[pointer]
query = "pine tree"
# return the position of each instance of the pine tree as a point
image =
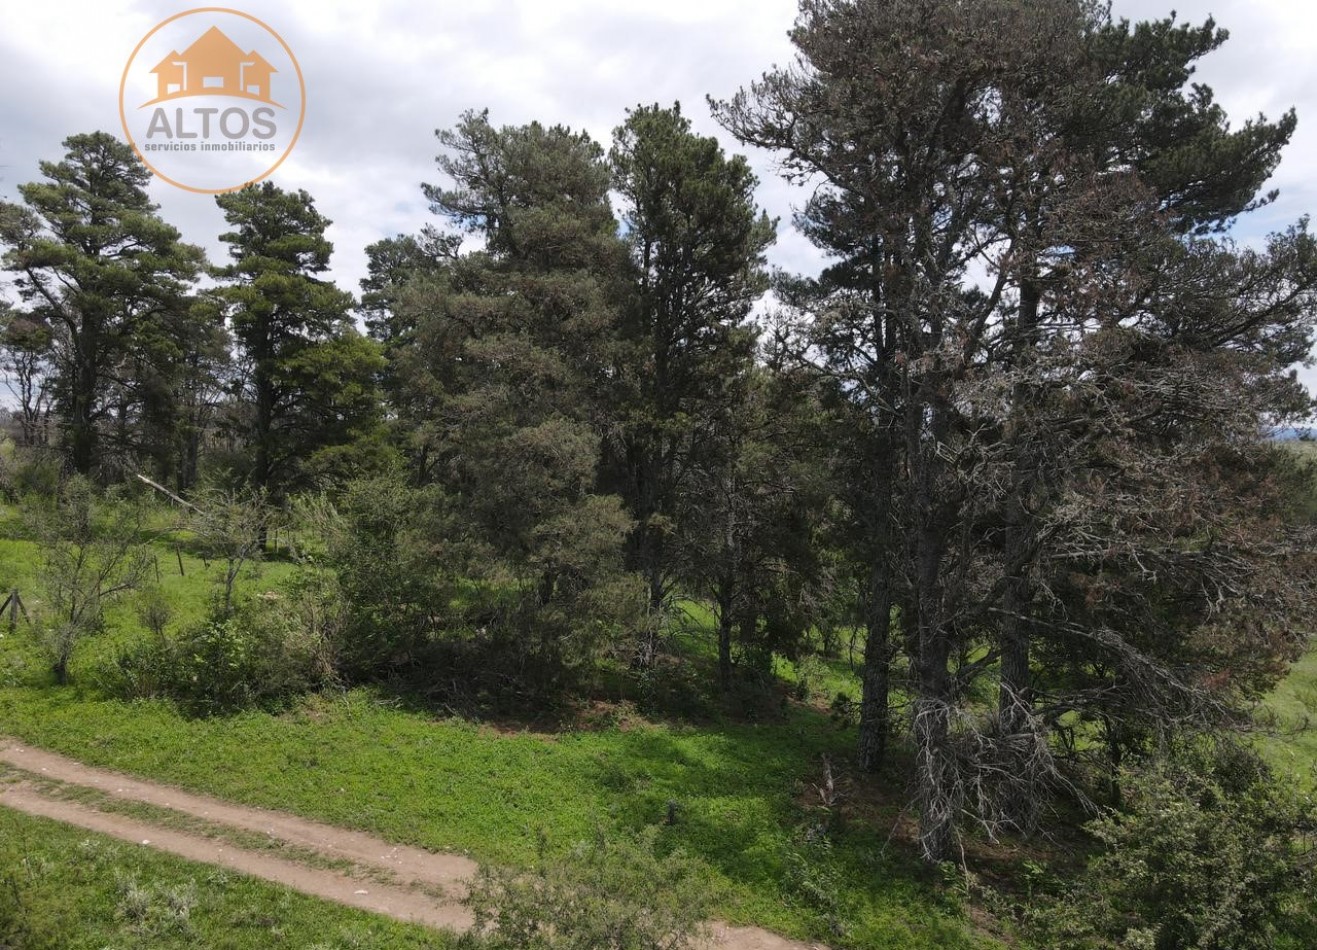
(697, 244)
(999, 423)
(517, 351)
(110, 279)
(309, 376)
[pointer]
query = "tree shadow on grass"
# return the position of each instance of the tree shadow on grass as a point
(742, 799)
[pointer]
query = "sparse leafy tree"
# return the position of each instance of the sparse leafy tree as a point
(92, 554)
(230, 526)
(754, 544)
(25, 352)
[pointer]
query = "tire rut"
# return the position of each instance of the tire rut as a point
(424, 887)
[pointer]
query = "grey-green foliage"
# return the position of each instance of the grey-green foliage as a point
(91, 554)
(230, 526)
(1213, 852)
(988, 430)
(379, 537)
(154, 910)
(618, 893)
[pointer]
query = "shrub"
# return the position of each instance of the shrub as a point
(1212, 853)
(155, 910)
(29, 472)
(811, 878)
(429, 604)
(226, 665)
(609, 894)
(376, 541)
(265, 653)
(144, 669)
(90, 556)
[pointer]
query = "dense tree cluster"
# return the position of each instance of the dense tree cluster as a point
(1012, 435)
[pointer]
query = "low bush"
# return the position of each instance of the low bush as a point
(1211, 853)
(608, 894)
(29, 472)
(268, 651)
(376, 541)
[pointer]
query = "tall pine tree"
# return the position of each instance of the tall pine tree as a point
(999, 421)
(697, 245)
(96, 265)
(308, 379)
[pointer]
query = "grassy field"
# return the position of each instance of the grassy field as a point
(744, 794)
(66, 889)
(1293, 750)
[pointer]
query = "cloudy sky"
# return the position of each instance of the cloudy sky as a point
(382, 76)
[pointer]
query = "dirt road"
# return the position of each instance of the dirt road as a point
(332, 863)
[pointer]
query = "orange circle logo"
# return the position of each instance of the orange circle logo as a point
(212, 100)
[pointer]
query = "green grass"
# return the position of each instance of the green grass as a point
(1294, 703)
(360, 762)
(742, 793)
(188, 594)
(62, 888)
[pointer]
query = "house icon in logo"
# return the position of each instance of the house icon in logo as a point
(214, 66)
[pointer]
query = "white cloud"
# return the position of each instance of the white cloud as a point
(382, 76)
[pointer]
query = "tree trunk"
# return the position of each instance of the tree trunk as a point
(1014, 699)
(544, 593)
(939, 785)
(649, 553)
(938, 775)
(725, 637)
(263, 468)
(940, 790)
(875, 713)
(188, 464)
(82, 420)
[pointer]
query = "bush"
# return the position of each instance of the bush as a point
(618, 894)
(1212, 853)
(155, 910)
(376, 541)
(811, 878)
(145, 669)
(266, 653)
(90, 556)
(29, 472)
(432, 607)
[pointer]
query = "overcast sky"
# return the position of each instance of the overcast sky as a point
(382, 76)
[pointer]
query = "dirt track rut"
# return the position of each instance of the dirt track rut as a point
(398, 881)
